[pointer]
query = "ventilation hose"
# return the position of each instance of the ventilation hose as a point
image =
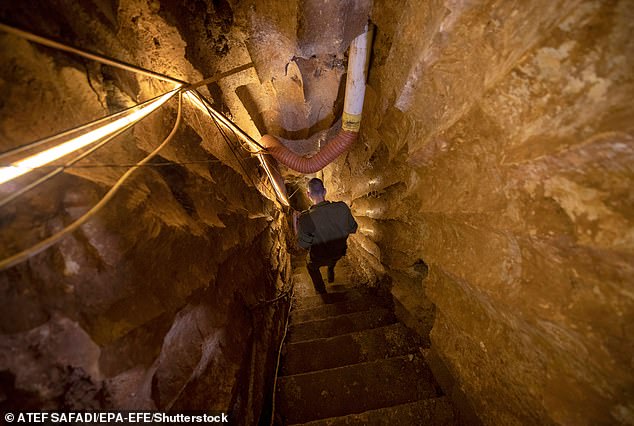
(351, 121)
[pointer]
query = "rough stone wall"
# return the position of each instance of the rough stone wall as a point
(157, 301)
(493, 183)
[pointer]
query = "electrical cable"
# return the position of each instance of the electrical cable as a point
(266, 302)
(226, 139)
(270, 194)
(87, 54)
(218, 76)
(25, 254)
(202, 101)
(294, 192)
(225, 120)
(279, 354)
(44, 244)
(60, 169)
(231, 148)
(278, 193)
(105, 165)
(235, 154)
(68, 132)
(217, 116)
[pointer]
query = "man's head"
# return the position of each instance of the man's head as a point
(316, 190)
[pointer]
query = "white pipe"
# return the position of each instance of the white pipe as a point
(355, 85)
(351, 120)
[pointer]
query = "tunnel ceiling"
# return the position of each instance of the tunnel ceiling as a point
(293, 90)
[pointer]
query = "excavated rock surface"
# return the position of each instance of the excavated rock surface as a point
(492, 183)
(493, 180)
(156, 302)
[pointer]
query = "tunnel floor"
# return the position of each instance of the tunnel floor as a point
(348, 360)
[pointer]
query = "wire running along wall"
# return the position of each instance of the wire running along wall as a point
(127, 119)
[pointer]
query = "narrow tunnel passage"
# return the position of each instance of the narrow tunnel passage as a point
(348, 360)
(491, 181)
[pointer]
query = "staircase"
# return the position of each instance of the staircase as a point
(347, 360)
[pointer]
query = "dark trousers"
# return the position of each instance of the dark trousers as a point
(313, 266)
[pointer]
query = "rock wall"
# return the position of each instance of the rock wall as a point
(493, 184)
(160, 300)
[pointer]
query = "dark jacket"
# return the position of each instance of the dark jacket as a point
(324, 229)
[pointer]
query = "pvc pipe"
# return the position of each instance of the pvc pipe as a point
(351, 120)
(355, 83)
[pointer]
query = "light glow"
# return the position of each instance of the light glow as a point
(368, 231)
(26, 165)
(210, 111)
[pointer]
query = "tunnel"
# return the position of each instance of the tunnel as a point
(155, 269)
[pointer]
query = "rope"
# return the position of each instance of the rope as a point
(43, 245)
(87, 54)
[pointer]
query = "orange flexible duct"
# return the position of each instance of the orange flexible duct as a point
(353, 106)
(337, 146)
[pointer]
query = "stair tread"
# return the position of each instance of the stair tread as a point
(339, 308)
(309, 291)
(354, 388)
(431, 411)
(330, 297)
(340, 324)
(351, 348)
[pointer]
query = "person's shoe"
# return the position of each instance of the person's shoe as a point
(331, 275)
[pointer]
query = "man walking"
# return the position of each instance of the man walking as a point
(323, 230)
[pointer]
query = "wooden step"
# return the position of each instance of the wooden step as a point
(352, 348)
(354, 389)
(428, 412)
(341, 324)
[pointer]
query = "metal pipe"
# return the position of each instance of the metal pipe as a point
(351, 120)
